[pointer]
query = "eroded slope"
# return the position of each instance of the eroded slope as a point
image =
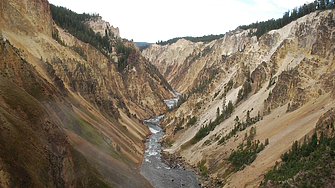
(70, 117)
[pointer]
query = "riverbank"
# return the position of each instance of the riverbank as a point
(155, 170)
(174, 160)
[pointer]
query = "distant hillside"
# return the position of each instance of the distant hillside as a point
(205, 38)
(143, 45)
(139, 44)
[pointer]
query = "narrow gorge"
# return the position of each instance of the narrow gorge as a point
(153, 166)
(80, 106)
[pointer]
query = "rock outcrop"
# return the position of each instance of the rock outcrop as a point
(100, 26)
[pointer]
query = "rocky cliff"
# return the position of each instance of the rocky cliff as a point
(280, 84)
(182, 62)
(101, 26)
(69, 117)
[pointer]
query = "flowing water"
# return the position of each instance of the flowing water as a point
(172, 102)
(155, 170)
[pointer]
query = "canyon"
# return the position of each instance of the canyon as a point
(72, 114)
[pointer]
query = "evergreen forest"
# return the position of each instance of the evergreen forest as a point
(307, 164)
(74, 24)
(205, 38)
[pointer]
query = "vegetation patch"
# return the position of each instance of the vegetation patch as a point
(229, 86)
(307, 164)
(245, 154)
(179, 126)
(125, 54)
(192, 121)
(202, 167)
(244, 91)
(75, 24)
(205, 130)
(55, 35)
(241, 126)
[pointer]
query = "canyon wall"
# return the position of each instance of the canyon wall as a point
(68, 117)
(280, 84)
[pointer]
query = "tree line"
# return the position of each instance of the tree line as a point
(289, 16)
(205, 38)
(75, 24)
(265, 26)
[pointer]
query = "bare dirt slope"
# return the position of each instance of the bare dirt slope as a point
(282, 129)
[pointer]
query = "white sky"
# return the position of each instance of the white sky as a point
(153, 20)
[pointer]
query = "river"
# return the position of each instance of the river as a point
(154, 169)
